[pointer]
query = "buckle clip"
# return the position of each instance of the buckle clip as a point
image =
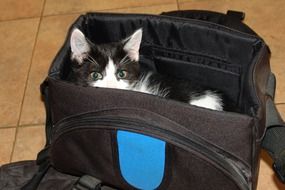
(87, 182)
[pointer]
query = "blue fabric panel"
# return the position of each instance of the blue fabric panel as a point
(141, 159)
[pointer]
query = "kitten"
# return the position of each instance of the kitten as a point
(115, 65)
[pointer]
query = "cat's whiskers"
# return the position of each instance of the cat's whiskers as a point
(92, 60)
(90, 57)
(125, 60)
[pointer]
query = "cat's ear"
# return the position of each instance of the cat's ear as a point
(132, 44)
(79, 45)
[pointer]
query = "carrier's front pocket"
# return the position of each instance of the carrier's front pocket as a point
(133, 148)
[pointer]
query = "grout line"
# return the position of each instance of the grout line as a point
(83, 12)
(32, 125)
(178, 5)
(8, 127)
(144, 6)
(64, 14)
(19, 19)
(26, 84)
(155, 5)
(102, 10)
(24, 125)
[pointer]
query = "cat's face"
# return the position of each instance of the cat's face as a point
(112, 65)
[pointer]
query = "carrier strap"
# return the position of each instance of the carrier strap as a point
(42, 158)
(49, 125)
(44, 166)
(236, 15)
(274, 139)
(88, 182)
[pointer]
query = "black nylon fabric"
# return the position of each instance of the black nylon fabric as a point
(14, 176)
(210, 48)
(229, 131)
(201, 50)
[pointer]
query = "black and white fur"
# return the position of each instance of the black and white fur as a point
(115, 65)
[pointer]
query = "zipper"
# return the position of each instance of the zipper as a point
(234, 168)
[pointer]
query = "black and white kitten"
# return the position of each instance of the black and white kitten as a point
(115, 65)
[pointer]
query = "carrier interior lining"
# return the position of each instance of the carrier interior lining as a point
(189, 49)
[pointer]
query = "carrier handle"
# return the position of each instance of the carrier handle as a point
(232, 19)
(274, 141)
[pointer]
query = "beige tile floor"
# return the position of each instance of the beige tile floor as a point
(32, 31)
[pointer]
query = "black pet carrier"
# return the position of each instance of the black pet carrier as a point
(99, 138)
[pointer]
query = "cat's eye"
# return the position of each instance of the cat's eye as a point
(122, 74)
(96, 76)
